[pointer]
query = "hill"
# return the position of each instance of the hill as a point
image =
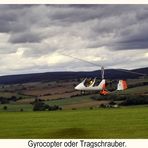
(56, 76)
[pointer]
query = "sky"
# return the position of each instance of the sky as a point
(34, 37)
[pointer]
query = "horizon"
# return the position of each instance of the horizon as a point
(69, 71)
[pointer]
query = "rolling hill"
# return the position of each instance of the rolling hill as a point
(56, 76)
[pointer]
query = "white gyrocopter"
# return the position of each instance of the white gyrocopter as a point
(101, 87)
(90, 85)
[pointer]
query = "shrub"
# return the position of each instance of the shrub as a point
(5, 107)
(40, 106)
(73, 108)
(4, 100)
(91, 108)
(13, 98)
(55, 107)
(21, 109)
(135, 100)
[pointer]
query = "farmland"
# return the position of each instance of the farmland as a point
(62, 93)
(81, 115)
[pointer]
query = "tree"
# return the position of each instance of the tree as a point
(40, 106)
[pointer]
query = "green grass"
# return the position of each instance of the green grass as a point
(135, 90)
(9, 94)
(62, 103)
(16, 107)
(99, 123)
(135, 81)
(69, 101)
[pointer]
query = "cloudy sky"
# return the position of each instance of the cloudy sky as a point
(32, 37)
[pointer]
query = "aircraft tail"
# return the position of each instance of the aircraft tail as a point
(102, 84)
(122, 85)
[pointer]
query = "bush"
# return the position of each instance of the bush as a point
(13, 98)
(73, 108)
(4, 100)
(55, 107)
(114, 97)
(135, 100)
(91, 108)
(40, 106)
(5, 107)
(21, 110)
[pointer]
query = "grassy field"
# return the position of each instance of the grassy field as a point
(98, 123)
(136, 90)
(15, 107)
(66, 103)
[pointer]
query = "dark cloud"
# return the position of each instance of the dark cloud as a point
(25, 37)
(37, 32)
(93, 23)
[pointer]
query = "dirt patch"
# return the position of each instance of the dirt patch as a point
(85, 104)
(70, 133)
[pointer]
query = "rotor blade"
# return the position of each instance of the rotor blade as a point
(124, 70)
(81, 60)
(129, 71)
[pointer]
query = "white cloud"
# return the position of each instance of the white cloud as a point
(146, 54)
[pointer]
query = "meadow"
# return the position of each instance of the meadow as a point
(124, 122)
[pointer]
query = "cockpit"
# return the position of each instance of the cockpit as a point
(89, 82)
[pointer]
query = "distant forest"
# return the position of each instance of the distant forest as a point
(56, 76)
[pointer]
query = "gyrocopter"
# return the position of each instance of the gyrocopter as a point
(101, 87)
(90, 84)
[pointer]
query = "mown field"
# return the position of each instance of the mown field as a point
(128, 122)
